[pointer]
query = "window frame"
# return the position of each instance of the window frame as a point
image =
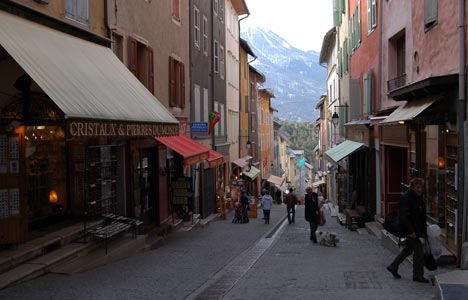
(196, 27)
(73, 14)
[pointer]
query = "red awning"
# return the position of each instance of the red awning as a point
(215, 158)
(192, 151)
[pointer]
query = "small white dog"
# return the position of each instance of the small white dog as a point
(326, 238)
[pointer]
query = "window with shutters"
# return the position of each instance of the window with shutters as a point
(431, 13)
(176, 10)
(345, 56)
(221, 62)
(140, 62)
(368, 92)
(215, 6)
(77, 10)
(221, 10)
(205, 35)
(371, 15)
(216, 56)
(176, 83)
(196, 27)
(197, 103)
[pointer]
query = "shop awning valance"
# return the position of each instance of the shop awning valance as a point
(215, 158)
(253, 173)
(275, 179)
(85, 80)
(341, 151)
(409, 110)
(192, 151)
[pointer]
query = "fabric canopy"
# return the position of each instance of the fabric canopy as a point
(190, 150)
(275, 179)
(409, 110)
(253, 173)
(341, 151)
(318, 183)
(240, 162)
(85, 80)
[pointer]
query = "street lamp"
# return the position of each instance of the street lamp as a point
(335, 119)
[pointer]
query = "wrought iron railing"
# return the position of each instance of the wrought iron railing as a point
(396, 82)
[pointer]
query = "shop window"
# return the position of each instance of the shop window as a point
(177, 83)
(45, 171)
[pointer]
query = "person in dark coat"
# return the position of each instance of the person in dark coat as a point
(412, 214)
(312, 212)
(245, 205)
(291, 201)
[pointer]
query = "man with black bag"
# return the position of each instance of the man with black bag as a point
(412, 214)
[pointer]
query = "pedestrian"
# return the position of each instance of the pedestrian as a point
(412, 214)
(291, 201)
(266, 201)
(312, 212)
(245, 207)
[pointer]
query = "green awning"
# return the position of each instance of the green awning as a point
(341, 151)
(253, 173)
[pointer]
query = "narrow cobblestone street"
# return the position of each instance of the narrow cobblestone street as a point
(241, 261)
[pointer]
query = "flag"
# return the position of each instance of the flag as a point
(214, 118)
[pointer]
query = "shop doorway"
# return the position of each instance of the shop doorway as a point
(396, 166)
(144, 184)
(209, 196)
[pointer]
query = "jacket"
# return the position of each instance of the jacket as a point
(266, 201)
(290, 200)
(412, 213)
(312, 209)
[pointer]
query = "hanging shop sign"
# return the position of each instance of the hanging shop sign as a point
(87, 129)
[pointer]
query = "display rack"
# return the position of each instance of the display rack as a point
(451, 189)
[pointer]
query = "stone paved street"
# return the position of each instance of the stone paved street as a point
(242, 261)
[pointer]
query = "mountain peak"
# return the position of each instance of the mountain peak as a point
(294, 75)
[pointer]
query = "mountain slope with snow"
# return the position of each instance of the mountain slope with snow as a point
(295, 76)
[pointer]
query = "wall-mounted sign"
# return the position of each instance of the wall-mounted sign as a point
(199, 127)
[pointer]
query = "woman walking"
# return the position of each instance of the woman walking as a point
(266, 201)
(312, 212)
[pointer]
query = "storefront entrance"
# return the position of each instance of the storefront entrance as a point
(396, 166)
(144, 184)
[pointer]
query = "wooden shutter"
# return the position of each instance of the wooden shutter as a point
(176, 9)
(132, 56)
(172, 83)
(182, 85)
(150, 70)
(336, 13)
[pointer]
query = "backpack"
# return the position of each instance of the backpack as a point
(392, 224)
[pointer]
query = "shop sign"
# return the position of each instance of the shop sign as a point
(88, 129)
(199, 127)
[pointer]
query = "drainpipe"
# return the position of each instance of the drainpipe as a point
(378, 166)
(213, 140)
(462, 132)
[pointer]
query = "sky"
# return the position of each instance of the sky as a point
(303, 23)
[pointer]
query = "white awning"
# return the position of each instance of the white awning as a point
(318, 183)
(341, 151)
(240, 162)
(409, 110)
(275, 179)
(85, 80)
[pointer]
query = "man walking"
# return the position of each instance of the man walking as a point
(412, 214)
(290, 201)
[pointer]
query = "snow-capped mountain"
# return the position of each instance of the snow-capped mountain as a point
(295, 76)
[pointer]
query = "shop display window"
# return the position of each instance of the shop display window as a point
(45, 164)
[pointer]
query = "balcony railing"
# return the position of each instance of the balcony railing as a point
(396, 82)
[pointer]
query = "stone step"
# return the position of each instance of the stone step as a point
(41, 265)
